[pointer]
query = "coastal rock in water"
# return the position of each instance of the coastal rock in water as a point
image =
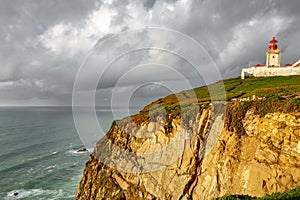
(82, 150)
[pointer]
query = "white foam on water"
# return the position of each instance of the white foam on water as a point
(19, 194)
(78, 151)
(51, 166)
(22, 193)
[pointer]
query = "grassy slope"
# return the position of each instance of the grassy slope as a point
(223, 90)
(293, 194)
(262, 87)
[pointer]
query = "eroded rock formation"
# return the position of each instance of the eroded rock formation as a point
(203, 156)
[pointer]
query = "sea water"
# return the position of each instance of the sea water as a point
(39, 156)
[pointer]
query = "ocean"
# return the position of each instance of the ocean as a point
(39, 156)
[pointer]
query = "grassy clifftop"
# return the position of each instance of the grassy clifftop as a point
(225, 90)
(234, 88)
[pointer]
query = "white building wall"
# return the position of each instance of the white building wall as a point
(267, 71)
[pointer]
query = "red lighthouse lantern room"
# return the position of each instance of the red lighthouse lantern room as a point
(273, 44)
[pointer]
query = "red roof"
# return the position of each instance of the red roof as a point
(298, 65)
(273, 40)
(258, 65)
(288, 65)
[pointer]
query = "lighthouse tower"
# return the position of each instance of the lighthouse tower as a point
(273, 54)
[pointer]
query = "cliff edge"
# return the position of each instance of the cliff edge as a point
(247, 146)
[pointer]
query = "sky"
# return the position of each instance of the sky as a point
(132, 52)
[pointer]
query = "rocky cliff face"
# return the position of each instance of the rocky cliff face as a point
(208, 151)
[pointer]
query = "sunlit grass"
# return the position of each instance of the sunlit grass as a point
(293, 194)
(222, 91)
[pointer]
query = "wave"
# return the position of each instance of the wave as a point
(41, 159)
(19, 194)
(51, 167)
(30, 162)
(42, 194)
(23, 150)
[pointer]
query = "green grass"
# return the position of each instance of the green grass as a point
(261, 87)
(293, 194)
(224, 91)
(264, 87)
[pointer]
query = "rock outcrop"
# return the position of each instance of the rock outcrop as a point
(200, 155)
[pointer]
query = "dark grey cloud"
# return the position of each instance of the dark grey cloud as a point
(44, 42)
(148, 3)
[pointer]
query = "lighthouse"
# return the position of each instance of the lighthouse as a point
(273, 54)
(273, 67)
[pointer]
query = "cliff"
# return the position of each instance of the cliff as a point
(199, 151)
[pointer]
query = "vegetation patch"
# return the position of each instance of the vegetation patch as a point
(104, 179)
(235, 114)
(293, 194)
(275, 103)
(272, 88)
(120, 195)
(237, 111)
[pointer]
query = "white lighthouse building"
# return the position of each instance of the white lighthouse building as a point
(273, 54)
(273, 66)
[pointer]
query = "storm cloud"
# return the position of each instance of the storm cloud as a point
(45, 43)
